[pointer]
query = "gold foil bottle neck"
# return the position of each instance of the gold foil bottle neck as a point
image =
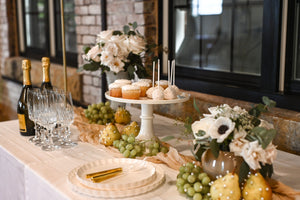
(46, 69)
(26, 66)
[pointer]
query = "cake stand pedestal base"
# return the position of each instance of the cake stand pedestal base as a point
(147, 131)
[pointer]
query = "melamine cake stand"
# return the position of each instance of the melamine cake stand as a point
(146, 130)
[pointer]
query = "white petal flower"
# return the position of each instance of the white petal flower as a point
(253, 153)
(237, 146)
(93, 54)
(221, 128)
(112, 48)
(106, 58)
(104, 36)
(116, 65)
(271, 153)
(239, 133)
(135, 44)
(204, 124)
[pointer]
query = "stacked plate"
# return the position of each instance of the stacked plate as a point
(137, 177)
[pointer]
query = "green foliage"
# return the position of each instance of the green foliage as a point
(260, 108)
(214, 147)
(266, 170)
(263, 135)
(244, 170)
(196, 107)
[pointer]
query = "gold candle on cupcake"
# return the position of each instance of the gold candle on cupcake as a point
(131, 92)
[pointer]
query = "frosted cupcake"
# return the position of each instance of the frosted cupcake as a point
(115, 90)
(123, 81)
(145, 80)
(144, 86)
(131, 92)
(162, 83)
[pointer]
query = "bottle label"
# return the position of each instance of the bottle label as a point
(22, 123)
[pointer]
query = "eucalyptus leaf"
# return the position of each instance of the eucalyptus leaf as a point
(167, 138)
(198, 152)
(86, 49)
(244, 170)
(196, 107)
(117, 33)
(266, 170)
(91, 66)
(134, 25)
(200, 133)
(270, 103)
(126, 29)
(214, 148)
(264, 136)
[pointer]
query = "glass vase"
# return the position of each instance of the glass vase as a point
(226, 161)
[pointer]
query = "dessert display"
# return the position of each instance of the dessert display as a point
(123, 81)
(131, 92)
(158, 93)
(163, 83)
(170, 93)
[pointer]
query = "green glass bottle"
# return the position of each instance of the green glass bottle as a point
(46, 84)
(26, 126)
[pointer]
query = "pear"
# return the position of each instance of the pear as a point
(132, 128)
(109, 135)
(226, 187)
(122, 116)
(256, 187)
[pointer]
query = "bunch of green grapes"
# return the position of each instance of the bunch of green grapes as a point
(154, 147)
(100, 113)
(129, 147)
(193, 182)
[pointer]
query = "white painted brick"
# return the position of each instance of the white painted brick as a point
(88, 20)
(87, 80)
(95, 9)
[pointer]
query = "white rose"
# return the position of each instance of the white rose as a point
(271, 153)
(106, 58)
(93, 54)
(104, 36)
(116, 65)
(204, 124)
(221, 128)
(112, 48)
(135, 44)
(237, 146)
(239, 133)
(253, 153)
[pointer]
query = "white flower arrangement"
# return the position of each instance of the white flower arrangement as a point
(117, 51)
(238, 131)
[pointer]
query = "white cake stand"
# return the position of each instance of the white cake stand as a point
(147, 131)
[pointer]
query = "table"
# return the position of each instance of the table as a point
(26, 172)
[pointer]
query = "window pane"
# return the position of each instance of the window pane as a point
(70, 34)
(35, 16)
(227, 39)
(296, 70)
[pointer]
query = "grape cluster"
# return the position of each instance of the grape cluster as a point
(193, 182)
(100, 113)
(131, 148)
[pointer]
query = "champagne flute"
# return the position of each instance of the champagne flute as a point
(32, 104)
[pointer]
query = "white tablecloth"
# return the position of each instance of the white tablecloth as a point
(26, 172)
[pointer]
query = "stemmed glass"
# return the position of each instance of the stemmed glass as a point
(33, 113)
(67, 113)
(48, 117)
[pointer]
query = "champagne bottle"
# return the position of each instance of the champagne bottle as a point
(26, 126)
(46, 84)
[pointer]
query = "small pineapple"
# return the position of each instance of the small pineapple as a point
(133, 127)
(109, 135)
(122, 116)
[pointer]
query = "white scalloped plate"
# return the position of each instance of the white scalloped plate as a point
(92, 192)
(135, 173)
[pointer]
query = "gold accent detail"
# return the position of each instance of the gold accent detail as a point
(26, 66)
(103, 177)
(22, 123)
(105, 172)
(46, 69)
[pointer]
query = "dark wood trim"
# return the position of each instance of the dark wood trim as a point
(104, 27)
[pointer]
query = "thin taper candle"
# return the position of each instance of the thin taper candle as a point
(158, 68)
(153, 74)
(168, 71)
(63, 43)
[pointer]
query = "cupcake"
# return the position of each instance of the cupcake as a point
(115, 90)
(162, 83)
(145, 80)
(158, 93)
(131, 92)
(144, 86)
(150, 91)
(123, 81)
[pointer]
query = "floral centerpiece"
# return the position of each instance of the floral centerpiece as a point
(118, 51)
(239, 131)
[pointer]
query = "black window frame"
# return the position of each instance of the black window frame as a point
(240, 86)
(37, 53)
